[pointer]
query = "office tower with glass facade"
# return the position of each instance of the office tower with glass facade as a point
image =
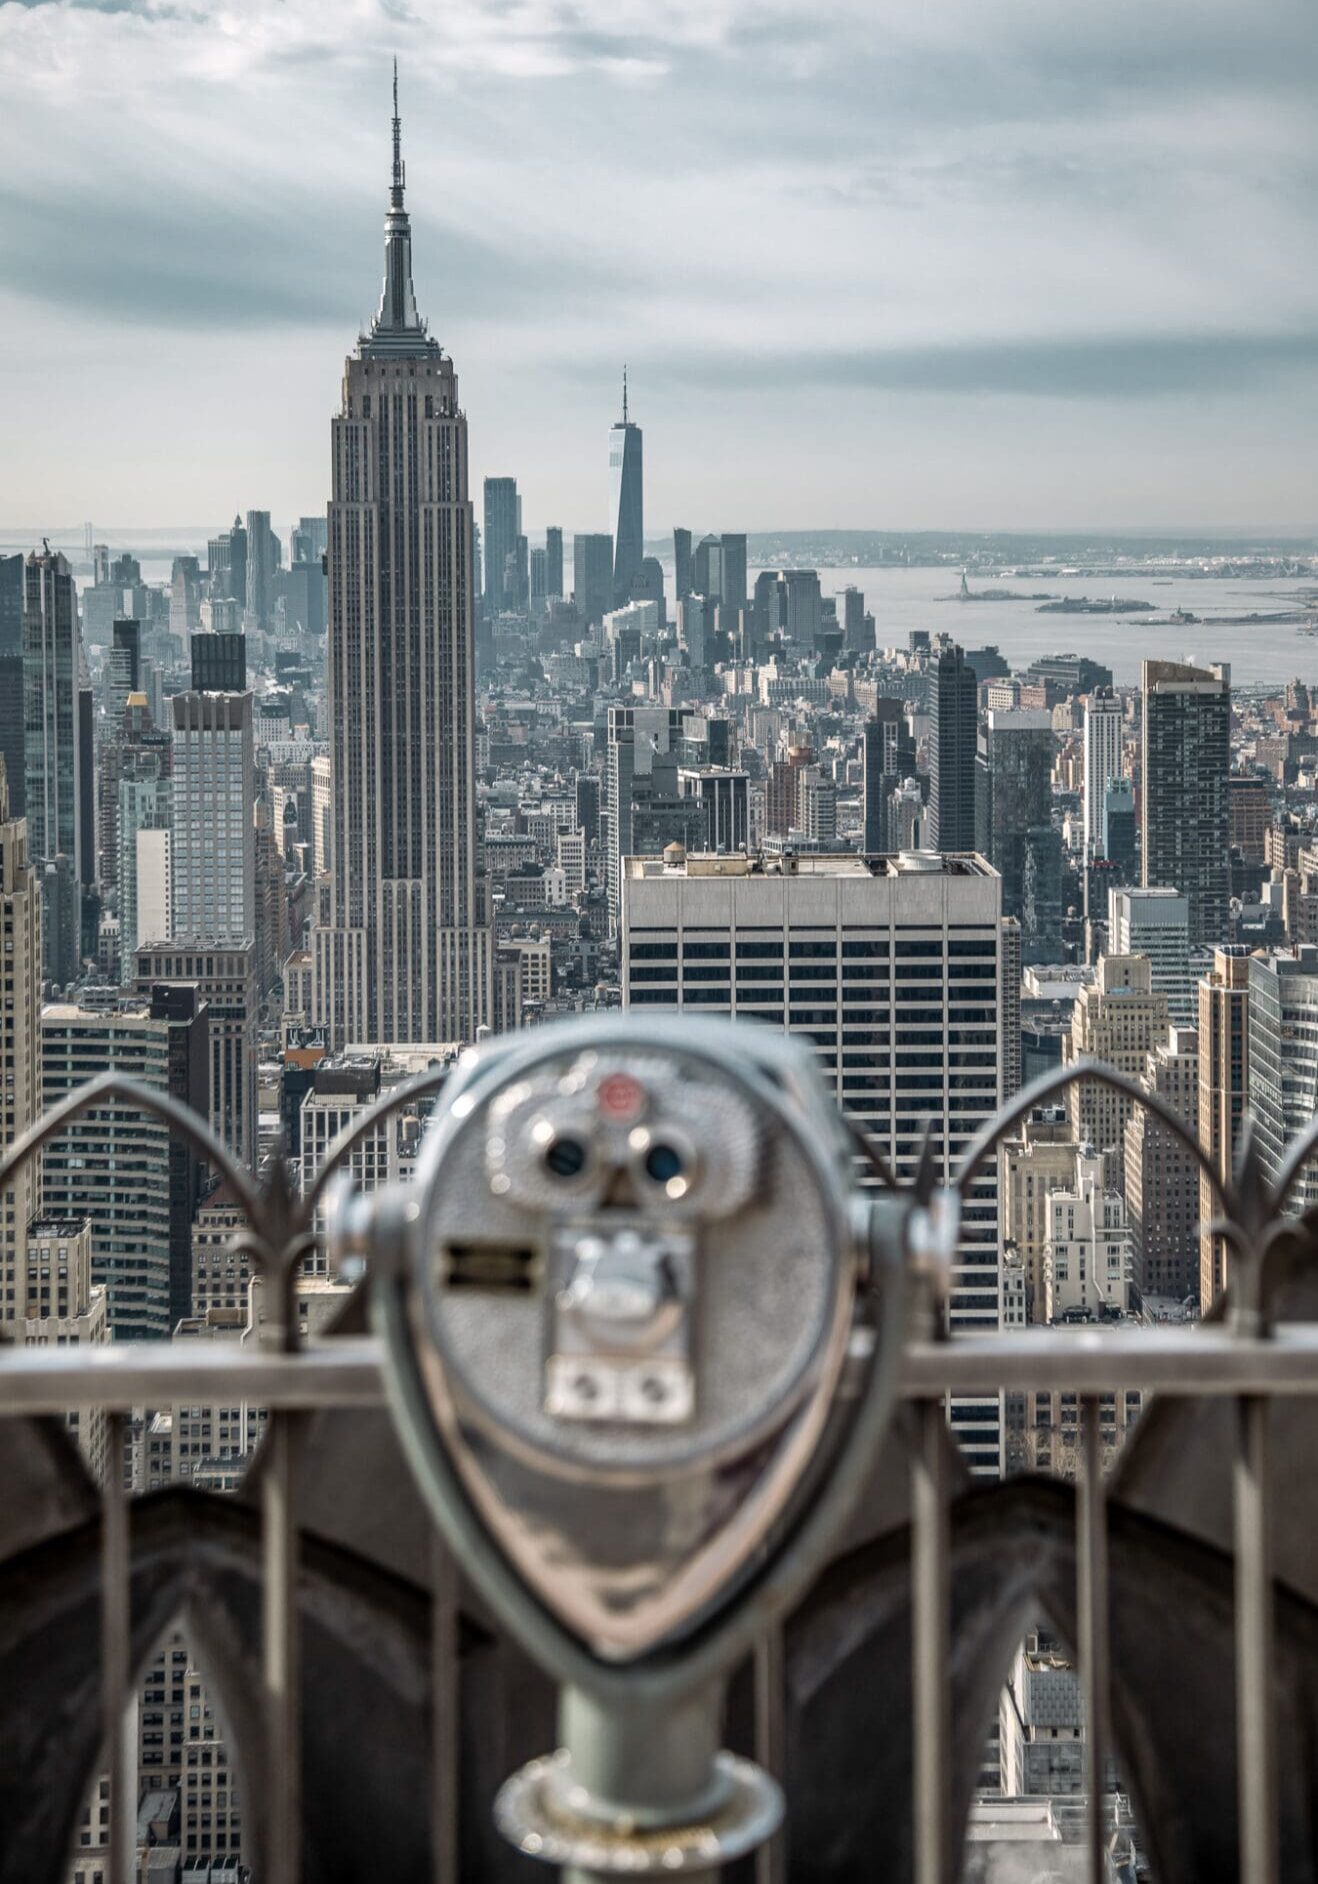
(683, 570)
(309, 540)
(725, 796)
(734, 593)
(52, 750)
(888, 757)
(626, 501)
(592, 576)
(1120, 830)
(952, 703)
(262, 562)
(1184, 806)
(13, 592)
(226, 564)
(1014, 827)
(1282, 1078)
(20, 1045)
(554, 562)
(219, 662)
(503, 525)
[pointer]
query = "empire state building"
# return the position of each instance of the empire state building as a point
(402, 948)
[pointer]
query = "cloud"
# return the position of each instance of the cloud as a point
(195, 259)
(1011, 198)
(1144, 367)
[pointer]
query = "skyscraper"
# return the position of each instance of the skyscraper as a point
(405, 954)
(113, 1165)
(707, 568)
(1014, 829)
(1120, 1020)
(888, 758)
(1120, 829)
(1282, 1058)
(636, 737)
(308, 541)
(853, 622)
(1223, 1088)
(1102, 756)
(225, 979)
(213, 845)
(185, 597)
(725, 794)
(538, 571)
(20, 1046)
(226, 562)
(952, 700)
(141, 825)
(219, 662)
(1184, 809)
(592, 576)
(734, 570)
(1162, 1174)
(863, 959)
(554, 561)
(1156, 923)
(682, 564)
(12, 593)
(53, 753)
(626, 502)
(262, 562)
(499, 543)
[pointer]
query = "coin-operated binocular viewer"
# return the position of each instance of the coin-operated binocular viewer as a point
(643, 1332)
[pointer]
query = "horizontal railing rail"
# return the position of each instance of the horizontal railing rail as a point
(349, 1371)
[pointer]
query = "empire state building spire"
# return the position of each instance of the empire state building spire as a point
(398, 326)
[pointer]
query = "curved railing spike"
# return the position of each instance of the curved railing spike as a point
(352, 1134)
(172, 1112)
(994, 1130)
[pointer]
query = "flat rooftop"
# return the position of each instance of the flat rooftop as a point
(676, 862)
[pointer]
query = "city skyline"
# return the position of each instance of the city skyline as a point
(970, 244)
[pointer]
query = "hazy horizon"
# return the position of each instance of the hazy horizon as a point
(156, 538)
(983, 260)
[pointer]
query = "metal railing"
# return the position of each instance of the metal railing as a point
(1244, 1354)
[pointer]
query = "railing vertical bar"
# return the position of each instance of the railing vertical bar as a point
(1093, 1611)
(769, 1678)
(445, 1720)
(931, 1615)
(116, 1658)
(1255, 1726)
(280, 1650)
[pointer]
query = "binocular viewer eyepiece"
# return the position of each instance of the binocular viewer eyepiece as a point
(642, 1328)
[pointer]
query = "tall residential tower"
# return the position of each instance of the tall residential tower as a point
(403, 950)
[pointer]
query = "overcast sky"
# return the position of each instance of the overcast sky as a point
(888, 263)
